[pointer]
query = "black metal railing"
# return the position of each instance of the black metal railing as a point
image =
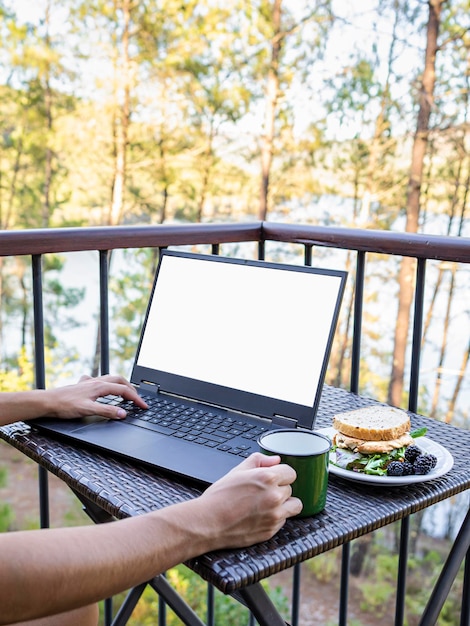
(36, 243)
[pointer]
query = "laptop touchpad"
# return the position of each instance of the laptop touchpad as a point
(115, 435)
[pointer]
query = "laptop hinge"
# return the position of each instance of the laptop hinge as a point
(288, 422)
(148, 386)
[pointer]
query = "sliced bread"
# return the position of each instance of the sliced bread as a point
(373, 423)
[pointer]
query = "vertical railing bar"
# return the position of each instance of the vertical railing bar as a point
(43, 478)
(108, 611)
(161, 612)
(210, 605)
(39, 361)
(458, 552)
(127, 607)
(308, 247)
(40, 376)
(295, 613)
(357, 326)
(261, 257)
(354, 385)
(402, 569)
(104, 367)
(104, 312)
(417, 333)
(344, 584)
(162, 609)
(215, 248)
(465, 610)
(412, 406)
(161, 602)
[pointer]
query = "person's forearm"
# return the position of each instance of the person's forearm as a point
(93, 562)
(51, 571)
(23, 405)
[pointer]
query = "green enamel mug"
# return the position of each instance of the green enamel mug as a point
(308, 453)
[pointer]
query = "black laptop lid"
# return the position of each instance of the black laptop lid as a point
(247, 335)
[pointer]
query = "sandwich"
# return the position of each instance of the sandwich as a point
(373, 430)
(378, 440)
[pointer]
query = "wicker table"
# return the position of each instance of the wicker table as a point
(122, 489)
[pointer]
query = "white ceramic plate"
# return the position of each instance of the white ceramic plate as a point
(445, 462)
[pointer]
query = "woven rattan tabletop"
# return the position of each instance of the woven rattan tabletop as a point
(352, 509)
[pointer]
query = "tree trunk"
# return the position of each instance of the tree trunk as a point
(6, 218)
(405, 278)
(338, 359)
(164, 178)
(272, 94)
(440, 275)
(381, 121)
(415, 534)
(121, 122)
(208, 161)
(458, 385)
(466, 354)
(2, 343)
(444, 337)
(202, 196)
(359, 553)
(46, 203)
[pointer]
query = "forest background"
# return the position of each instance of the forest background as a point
(124, 112)
(323, 112)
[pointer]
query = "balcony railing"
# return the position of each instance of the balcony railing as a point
(359, 243)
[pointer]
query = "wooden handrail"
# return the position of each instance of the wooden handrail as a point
(42, 241)
(444, 248)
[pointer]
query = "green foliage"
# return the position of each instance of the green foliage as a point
(6, 512)
(3, 476)
(74, 515)
(19, 375)
(6, 517)
(59, 302)
(374, 589)
(326, 567)
(378, 585)
(376, 596)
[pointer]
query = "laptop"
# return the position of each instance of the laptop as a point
(229, 348)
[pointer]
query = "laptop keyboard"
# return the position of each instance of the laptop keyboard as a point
(200, 426)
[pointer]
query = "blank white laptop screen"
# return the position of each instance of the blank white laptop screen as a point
(246, 327)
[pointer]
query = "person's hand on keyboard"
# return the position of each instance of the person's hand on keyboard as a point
(78, 400)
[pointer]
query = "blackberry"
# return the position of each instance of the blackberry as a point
(395, 468)
(412, 453)
(408, 468)
(424, 463)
